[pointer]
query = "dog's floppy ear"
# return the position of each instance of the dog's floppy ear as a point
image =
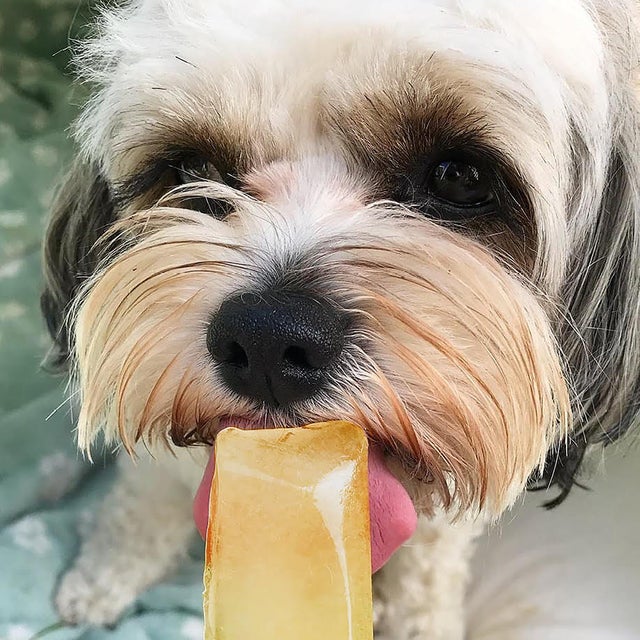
(601, 336)
(82, 211)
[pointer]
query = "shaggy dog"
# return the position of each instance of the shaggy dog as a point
(420, 215)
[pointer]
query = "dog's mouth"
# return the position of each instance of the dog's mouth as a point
(243, 422)
(393, 517)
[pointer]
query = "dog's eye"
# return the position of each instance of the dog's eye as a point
(196, 168)
(460, 184)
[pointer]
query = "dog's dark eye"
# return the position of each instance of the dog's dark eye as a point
(200, 169)
(460, 184)
(197, 169)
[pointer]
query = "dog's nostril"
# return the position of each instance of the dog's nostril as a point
(297, 356)
(237, 356)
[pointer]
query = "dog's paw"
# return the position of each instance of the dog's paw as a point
(94, 599)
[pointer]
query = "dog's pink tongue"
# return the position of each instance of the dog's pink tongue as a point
(393, 517)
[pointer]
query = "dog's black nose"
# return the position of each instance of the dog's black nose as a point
(276, 348)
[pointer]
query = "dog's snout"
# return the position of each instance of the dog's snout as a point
(276, 348)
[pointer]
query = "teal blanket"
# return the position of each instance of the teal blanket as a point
(48, 494)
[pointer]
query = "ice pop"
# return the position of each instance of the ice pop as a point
(288, 549)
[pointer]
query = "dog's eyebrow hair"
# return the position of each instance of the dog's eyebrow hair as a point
(150, 174)
(142, 181)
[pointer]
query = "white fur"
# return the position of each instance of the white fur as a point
(143, 529)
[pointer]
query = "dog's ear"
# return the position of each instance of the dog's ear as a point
(600, 336)
(82, 211)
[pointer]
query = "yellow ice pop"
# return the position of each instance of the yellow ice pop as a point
(288, 550)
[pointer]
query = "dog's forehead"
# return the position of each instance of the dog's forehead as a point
(270, 60)
(558, 32)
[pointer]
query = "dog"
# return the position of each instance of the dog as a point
(421, 215)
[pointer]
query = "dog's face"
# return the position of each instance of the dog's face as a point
(419, 215)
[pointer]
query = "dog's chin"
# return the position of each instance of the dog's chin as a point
(393, 517)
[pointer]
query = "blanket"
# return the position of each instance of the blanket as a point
(48, 494)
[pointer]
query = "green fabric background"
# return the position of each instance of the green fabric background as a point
(47, 493)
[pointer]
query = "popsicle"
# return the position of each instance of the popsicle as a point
(288, 542)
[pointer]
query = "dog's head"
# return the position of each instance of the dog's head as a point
(421, 215)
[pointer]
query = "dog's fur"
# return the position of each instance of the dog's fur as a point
(484, 353)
